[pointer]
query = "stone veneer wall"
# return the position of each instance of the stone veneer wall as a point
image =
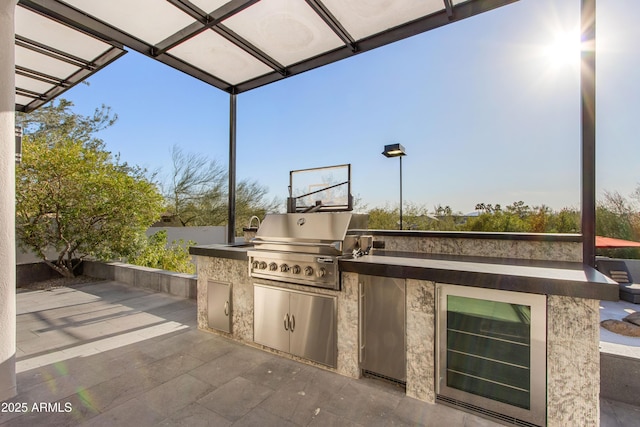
(420, 335)
(236, 273)
(573, 362)
(489, 247)
(348, 320)
(573, 357)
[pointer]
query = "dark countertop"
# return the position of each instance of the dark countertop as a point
(537, 277)
(483, 235)
(235, 251)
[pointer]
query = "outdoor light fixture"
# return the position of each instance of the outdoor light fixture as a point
(18, 144)
(396, 150)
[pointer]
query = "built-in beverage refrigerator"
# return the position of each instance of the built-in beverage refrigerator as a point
(491, 352)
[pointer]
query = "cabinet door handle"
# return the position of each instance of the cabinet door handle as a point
(286, 322)
(292, 325)
(226, 308)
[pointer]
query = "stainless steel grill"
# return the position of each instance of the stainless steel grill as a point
(304, 248)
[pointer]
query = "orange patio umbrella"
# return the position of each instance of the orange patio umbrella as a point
(610, 242)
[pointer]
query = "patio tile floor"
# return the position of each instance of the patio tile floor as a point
(105, 354)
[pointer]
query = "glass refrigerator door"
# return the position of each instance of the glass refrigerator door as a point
(492, 350)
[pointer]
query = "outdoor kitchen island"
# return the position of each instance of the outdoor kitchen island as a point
(456, 302)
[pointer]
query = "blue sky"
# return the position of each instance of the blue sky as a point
(485, 113)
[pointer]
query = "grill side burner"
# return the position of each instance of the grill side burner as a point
(304, 248)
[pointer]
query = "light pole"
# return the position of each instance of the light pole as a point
(396, 150)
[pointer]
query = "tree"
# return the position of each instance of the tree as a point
(565, 221)
(195, 187)
(74, 198)
(538, 219)
(618, 217)
(385, 218)
(56, 122)
(251, 200)
(197, 193)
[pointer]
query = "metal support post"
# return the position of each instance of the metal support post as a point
(588, 120)
(231, 223)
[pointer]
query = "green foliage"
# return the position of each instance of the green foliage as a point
(384, 218)
(565, 221)
(618, 217)
(156, 253)
(56, 121)
(251, 200)
(516, 217)
(195, 188)
(196, 193)
(74, 198)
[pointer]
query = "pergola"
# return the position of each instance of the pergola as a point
(234, 45)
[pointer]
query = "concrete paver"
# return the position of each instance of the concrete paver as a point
(105, 354)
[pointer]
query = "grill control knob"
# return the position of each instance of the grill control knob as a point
(321, 272)
(273, 266)
(263, 265)
(284, 268)
(295, 269)
(308, 271)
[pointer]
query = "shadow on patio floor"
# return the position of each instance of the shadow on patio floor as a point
(106, 354)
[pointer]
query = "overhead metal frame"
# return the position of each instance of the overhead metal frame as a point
(214, 21)
(58, 85)
(452, 11)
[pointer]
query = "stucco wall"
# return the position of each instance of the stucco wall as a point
(7, 207)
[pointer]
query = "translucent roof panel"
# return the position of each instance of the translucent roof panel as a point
(218, 56)
(30, 84)
(209, 5)
(22, 99)
(34, 60)
(289, 31)
(38, 28)
(149, 20)
(234, 45)
(51, 57)
(364, 18)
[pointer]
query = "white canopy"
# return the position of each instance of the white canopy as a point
(234, 45)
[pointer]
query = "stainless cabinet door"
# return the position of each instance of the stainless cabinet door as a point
(219, 305)
(270, 317)
(384, 326)
(314, 327)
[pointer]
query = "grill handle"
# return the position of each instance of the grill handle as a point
(337, 245)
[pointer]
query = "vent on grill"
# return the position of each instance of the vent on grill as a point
(484, 412)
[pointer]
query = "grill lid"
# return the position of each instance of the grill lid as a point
(319, 232)
(309, 227)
